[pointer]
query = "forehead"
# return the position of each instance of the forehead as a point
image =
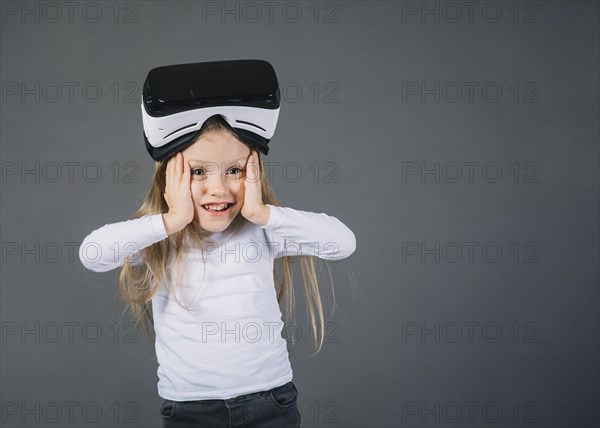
(216, 146)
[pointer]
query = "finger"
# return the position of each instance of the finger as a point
(250, 168)
(171, 167)
(168, 174)
(186, 172)
(255, 165)
(178, 168)
(184, 168)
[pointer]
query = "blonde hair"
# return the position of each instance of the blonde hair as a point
(139, 283)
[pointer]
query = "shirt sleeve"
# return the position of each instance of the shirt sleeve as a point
(106, 248)
(292, 232)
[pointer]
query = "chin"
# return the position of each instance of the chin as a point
(214, 227)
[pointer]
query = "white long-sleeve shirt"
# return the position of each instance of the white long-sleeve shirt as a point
(230, 342)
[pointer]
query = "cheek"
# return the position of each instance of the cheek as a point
(239, 190)
(196, 190)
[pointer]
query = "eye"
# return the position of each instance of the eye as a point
(197, 169)
(235, 168)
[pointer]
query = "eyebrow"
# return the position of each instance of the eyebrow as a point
(228, 162)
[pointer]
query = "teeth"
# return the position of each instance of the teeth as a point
(219, 207)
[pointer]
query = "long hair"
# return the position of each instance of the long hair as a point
(139, 283)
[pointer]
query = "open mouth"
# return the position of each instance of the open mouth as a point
(217, 208)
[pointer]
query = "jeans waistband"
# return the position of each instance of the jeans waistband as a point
(237, 399)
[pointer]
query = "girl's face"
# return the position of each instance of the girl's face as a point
(218, 169)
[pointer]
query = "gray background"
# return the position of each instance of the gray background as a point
(542, 370)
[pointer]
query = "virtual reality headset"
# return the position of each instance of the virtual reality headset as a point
(177, 100)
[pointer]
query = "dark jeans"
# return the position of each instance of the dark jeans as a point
(275, 408)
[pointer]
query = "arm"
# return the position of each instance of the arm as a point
(294, 232)
(107, 247)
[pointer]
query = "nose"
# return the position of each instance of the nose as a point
(216, 182)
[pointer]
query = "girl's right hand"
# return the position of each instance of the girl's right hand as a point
(178, 194)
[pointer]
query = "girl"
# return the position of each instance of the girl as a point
(211, 216)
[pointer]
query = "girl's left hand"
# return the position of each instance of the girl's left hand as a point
(253, 205)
